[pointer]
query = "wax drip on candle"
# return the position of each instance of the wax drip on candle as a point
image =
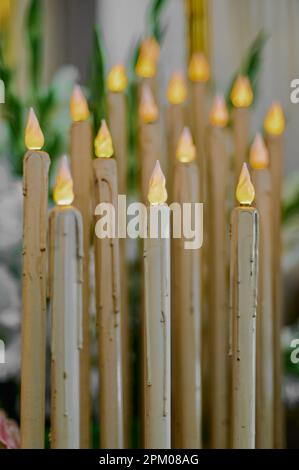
(219, 113)
(241, 94)
(157, 193)
(78, 105)
(274, 122)
(117, 79)
(186, 150)
(103, 142)
(34, 138)
(63, 193)
(199, 69)
(146, 66)
(258, 156)
(176, 90)
(245, 190)
(148, 110)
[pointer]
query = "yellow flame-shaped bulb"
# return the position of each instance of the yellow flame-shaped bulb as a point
(245, 190)
(146, 66)
(241, 94)
(78, 105)
(258, 156)
(186, 150)
(148, 110)
(103, 142)
(157, 193)
(63, 193)
(199, 69)
(219, 112)
(176, 90)
(274, 123)
(34, 138)
(117, 79)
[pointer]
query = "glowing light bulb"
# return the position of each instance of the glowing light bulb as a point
(219, 113)
(148, 110)
(186, 150)
(241, 94)
(117, 79)
(78, 105)
(176, 90)
(157, 193)
(103, 142)
(274, 123)
(63, 193)
(258, 156)
(245, 190)
(34, 138)
(146, 66)
(199, 69)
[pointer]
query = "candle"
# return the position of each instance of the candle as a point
(80, 154)
(259, 160)
(33, 353)
(274, 125)
(149, 137)
(117, 113)
(146, 65)
(243, 298)
(176, 95)
(186, 381)
(241, 97)
(217, 174)
(157, 318)
(65, 281)
(108, 300)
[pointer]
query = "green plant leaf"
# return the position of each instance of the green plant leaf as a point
(97, 83)
(34, 32)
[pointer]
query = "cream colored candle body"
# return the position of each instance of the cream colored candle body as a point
(217, 173)
(35, 189)
(243, 274)
(66, 255)
(80, 153)
(175, 121)
(150, 151)
(186, 374)
(157, 399)
(241, 134)
(109, 314)
(199, 122)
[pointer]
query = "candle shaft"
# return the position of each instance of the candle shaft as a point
(176, 121)
(150, 152)
(240, 133)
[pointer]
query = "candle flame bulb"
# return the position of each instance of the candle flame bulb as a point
(117, 79)
(34, 138)
(186, 150)
(148, 110)
(219, 113)
(258, 157)
(176, 90)
(157, 193)
(146, 66)
(103, 142)
(274, 123)
(78, 105)
(199, 69)
(245, 190)
(241, 94)
(63, 193)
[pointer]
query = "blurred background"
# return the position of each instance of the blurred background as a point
(48, 45)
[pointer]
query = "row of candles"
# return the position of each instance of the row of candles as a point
(199, 355)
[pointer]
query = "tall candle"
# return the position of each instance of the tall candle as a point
(80, 153)
(33, 364)
(157, 406)
(108, 300)
(274, 125)
(217, 174)
(241, 97)
(66, 254)
(259, 160)
(243, 292)
(186, 374)
(149, 137)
